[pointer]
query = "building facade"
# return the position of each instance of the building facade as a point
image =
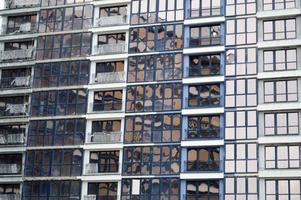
(150, 99)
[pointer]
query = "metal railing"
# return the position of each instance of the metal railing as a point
(110, 48)
(111, 20)
(9, 168)
(23, 29)
(10, 196)
(18, 54)
(109, 77)
(105, 137)
(196, 102)
(200, 134)
(205, 41)
(12, 138)
(203, 166)
(14, 82)
(98, 197)
(21, 3)
(13, 110)
(96, 168)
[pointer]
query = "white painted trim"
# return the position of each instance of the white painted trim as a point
(278, 43)
(109, 57)
(110, 3)
(208, 79)
(198, 111)
(285, 139)
(278, 13)
(95, 146)
(13, 148)
(195, 143)
(106, 115)
(280, 173)
(101, 177)
(110, 29)
(209, 49)
(279, 74)
(207, 175)
(205, 20)
(279, 106)
(100, 86)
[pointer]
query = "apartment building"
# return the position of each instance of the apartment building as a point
(150, 99)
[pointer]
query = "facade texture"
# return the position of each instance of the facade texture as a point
(150, 99)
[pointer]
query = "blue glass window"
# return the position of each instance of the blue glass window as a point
(203, 159)
(107, 100)
(204, 65)
(106, 161)
(204, 95)
(61, 2)
(103, 190)
(205, 36)
(203, 127)
(13, 106)
(204, 189)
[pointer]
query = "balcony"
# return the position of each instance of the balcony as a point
(109, 77)
(12, 138)
(109, 49)
(205, 41)
(202, 134)
(19, 54)
(10, 169)
(9, 4)
(15, 82)
(95, 197)
(10, 196)
(13, 109)
(203, 166)
(96, 168)
(111, 21)
(105, 137)
(205, 12)
(24, 28)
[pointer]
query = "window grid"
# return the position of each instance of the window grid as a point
(14, 23)
(279, 29)
(204, 65)
(204, 127)
(203, 159)
(113, 11)
(45, 3)
(278, 4)
(282, 189)
(281, 91)
(282, 157)
(204, 8)
(107, 100)
(236, 7)
(281, 123)
(280, 60)
(208, 95)
(205, 189)
(111, 38)
(103, 190)
(205, 36)
(107, 161)
(241, 188)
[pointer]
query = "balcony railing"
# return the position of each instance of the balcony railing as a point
(19, 54)
(203, 166)
(110, 48)
(109, 77)
(107, 106)
(95, 197)
(205, 41)
(201, 134)
(10, 196)
(105, 137)
(13, 110)
(14, 82)
(95, 168)
(23, 29)
(205, 12)
(111, 20)
(201, 196)
(12, 138)
(9, 168)
(21, 3)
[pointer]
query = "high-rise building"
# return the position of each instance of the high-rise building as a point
(150, 99)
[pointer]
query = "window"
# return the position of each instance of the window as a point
(12, 134)
(103, 190)
(152, 128)
(204, 65)
(19, 77)
(60, 132)
(205, 36)
(203, 159)
(55, 162)
(45, 3)
(236, 7)
(281, 123)
(203, 127)
(241, 93)
(115, 38)
(155, 67)
(280, 91)
(151, 188)
(280, 60)
(11, 164)
(13, 106)
(151, 160)
(21, 24)
(61, 102)
(22, 45)
(282, 189)
(241, 31)
(104, 67)
(61, 74)
(205, 8)
(9, 189)
(70, 189)
(106, 126)
(154, 97)
(203, 189)
(204, 95)
(64, 46)
(282, 157)
(241, 61)
(156, 11)
(106, 161)
(107, 100)
(241, 158)
(156, 38)
(278, 4)
(241, 188)
(241, 125)
(66, 19)
(113, 11)
(279, 29)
